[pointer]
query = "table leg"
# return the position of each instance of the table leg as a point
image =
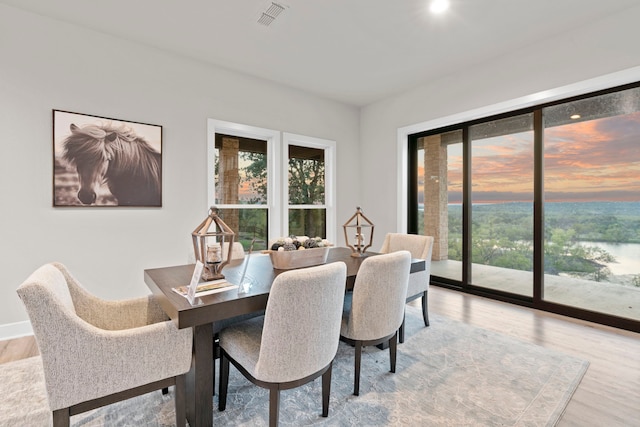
(200, 378)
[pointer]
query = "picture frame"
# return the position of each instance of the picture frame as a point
(104, 162)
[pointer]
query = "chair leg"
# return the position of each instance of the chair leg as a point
(180, 400)
(356, 380)
(401, 331)
(326, 390)
(274, 406)
(393, 349)
(224, 381)
(216, 355)
(425, 309)
(61, 418)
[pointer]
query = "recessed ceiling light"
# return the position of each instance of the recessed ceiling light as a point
(439, 6)
(575, 116)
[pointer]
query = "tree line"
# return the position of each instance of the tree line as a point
(502, 236)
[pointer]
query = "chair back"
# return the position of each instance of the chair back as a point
(50, 307)
(237, 250)
(420, 246)
(49, 304)
(302, 322)
(379, 296)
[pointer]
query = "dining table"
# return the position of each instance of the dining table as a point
(256, 270)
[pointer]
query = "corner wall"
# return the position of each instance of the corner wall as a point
(47, 64)
(605, 46)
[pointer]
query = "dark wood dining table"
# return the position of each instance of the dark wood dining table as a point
(208, 309)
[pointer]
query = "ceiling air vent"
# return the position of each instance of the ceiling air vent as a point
(269, 15)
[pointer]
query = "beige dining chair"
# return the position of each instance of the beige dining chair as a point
(420, 247)
(96, 352)
(237, 250)
(377, 306)
(296, 340)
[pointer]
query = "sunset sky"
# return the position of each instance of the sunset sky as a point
(596, 160)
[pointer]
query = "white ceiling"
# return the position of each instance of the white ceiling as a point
(353, 51)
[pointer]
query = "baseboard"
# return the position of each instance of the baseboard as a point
(15, 330)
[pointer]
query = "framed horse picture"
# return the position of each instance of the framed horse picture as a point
(99, 161)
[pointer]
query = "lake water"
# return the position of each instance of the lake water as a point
(627, 256)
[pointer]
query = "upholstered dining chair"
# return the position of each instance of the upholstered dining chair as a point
(420, 247)
(96, 352)
(237, 250)
(296, 340)
(377, 306)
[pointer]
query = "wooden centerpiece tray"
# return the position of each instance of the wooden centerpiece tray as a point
(287, 260)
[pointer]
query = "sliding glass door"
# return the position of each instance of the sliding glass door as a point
(592, 203)
(502, 205)
(539, 207)
(438, 192)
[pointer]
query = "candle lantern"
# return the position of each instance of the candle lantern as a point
(363, 229)
(209, 239)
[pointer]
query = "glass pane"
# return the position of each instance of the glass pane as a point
(306, 176)
(440, 200)
(308, 222)
(248, 224)
(592, 203)
(240, 170)
(502, 204)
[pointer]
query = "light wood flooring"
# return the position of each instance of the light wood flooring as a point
(609, 394)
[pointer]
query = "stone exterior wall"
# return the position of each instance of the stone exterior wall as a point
(436, 222)
(229, 178)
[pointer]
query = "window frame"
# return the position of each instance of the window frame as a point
(534, 103)
(563, 93)
(273, 172)
(277, 174)
(329, 148)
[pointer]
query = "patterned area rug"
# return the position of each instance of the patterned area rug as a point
(449, 374)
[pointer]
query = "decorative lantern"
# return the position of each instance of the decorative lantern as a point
(360, 223)
(208, 245)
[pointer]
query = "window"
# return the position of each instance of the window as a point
(502, 202)
(550, 205)
(592, 201)
(264, 194)
(241, 179)
(309, 186)
(438, 190)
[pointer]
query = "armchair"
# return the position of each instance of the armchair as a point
(96, 352)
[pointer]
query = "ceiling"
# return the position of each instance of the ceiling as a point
(353, 51)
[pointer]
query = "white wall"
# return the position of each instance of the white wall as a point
(604, 47)
(47, 64)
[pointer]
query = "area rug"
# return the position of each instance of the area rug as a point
(449, 374)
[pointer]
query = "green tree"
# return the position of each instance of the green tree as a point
(255, 174)
(306, 187)
(563, 254)
(498, 239)
(306, 181)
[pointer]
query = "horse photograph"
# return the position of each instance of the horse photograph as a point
(106, 162)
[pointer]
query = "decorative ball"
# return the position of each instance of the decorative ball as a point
(311, 243)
